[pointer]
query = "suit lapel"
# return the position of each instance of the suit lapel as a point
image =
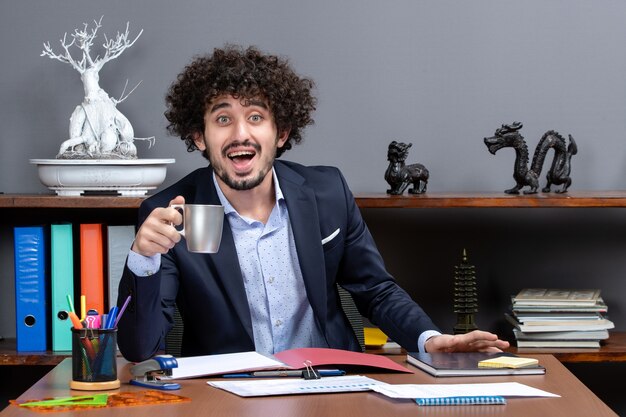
(304, 220)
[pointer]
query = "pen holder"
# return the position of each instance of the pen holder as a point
(94, 365)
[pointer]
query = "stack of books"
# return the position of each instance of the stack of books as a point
(559, 318)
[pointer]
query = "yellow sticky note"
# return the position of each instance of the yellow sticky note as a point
(374, 336)
(507, 362)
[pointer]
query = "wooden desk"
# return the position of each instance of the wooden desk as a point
(576, 399)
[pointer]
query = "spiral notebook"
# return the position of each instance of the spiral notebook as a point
(469, 400)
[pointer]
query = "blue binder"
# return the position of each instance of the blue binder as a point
(30, 288)
(62, 284)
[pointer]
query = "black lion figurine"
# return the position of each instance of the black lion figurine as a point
(399, 176)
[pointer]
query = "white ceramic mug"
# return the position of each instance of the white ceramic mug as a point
(202, 226)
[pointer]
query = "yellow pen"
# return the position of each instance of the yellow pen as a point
(83, 307)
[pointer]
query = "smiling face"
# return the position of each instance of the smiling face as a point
(240, 138)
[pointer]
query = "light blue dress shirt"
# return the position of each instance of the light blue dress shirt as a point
(282, 317)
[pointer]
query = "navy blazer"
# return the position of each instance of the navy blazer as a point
(209, 291)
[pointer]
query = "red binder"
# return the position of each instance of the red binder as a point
(300, 357)
(92, 266)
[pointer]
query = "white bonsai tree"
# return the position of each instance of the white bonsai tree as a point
(98, 130)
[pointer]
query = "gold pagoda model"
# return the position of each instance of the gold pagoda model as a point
(465, 296)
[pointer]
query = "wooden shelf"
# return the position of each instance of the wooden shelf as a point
(363, 200)
(612, 350)
(9, 355)
(494, 200)
(53, 201)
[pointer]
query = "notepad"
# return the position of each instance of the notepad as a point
(374, 337)
(507, 362)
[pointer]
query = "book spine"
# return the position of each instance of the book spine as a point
(465, 400)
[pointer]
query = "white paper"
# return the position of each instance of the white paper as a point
(286, 386)
(194, 366)
(505, 389)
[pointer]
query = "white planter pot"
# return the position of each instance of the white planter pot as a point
(129, 178)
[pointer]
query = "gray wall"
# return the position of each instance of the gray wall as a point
(440, 74)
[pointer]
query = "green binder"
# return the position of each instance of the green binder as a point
(62, 274)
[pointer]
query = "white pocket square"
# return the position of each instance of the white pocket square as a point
(330, 237)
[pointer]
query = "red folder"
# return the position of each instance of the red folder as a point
(300, 358)
(92, 266)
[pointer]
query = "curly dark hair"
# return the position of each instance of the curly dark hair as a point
(244, 74)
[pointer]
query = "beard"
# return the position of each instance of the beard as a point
(245, 183)
(241, 184)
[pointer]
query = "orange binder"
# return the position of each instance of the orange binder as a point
(92, 266)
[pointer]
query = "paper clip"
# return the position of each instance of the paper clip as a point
(92, 321)
(309, 372)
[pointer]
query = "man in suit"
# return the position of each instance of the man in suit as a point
(291, 233)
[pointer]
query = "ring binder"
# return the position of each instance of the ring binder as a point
(31, 318)
(466, 400)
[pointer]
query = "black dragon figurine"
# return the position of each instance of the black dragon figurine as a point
(399, 175)
(508, 136)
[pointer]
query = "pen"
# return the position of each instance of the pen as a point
(111, 317)
(70, 304)
(273, 374)
(75, 320)
(276, 373)
(83, 307)
(119, 315)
